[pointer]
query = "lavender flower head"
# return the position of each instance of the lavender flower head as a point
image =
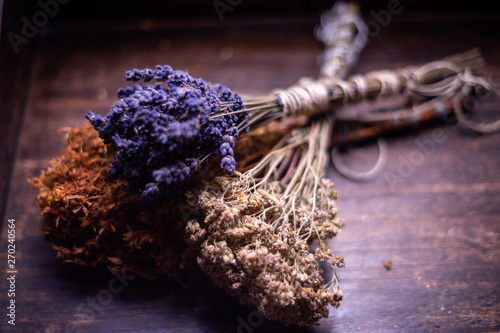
(162, 131)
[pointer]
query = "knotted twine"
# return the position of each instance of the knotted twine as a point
(310, 96)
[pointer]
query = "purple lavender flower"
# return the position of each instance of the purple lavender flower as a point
(162, 131)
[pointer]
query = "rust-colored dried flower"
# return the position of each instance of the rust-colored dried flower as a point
(94, 221)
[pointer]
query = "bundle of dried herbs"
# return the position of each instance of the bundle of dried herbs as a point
(261, 231)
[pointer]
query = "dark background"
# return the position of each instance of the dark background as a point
(440, 226)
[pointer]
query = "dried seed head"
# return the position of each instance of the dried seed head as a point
(254, 253)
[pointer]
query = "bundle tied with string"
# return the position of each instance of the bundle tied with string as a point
(94, 214)
(257, 226)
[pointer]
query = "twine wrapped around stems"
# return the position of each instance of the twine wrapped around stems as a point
(455, 95)
(429, 80)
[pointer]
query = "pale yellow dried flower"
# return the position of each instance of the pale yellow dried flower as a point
(248, 248)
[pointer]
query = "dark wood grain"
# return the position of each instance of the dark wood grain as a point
(439, 225)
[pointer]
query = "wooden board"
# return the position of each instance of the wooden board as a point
(439, 225)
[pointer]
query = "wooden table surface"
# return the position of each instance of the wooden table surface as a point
(439, 225)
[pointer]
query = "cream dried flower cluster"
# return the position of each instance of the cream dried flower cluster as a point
(249, 247)
(314, 217)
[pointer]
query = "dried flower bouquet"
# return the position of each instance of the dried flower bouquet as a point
(108, 200)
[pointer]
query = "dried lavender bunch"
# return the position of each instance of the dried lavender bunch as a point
(162, 132)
